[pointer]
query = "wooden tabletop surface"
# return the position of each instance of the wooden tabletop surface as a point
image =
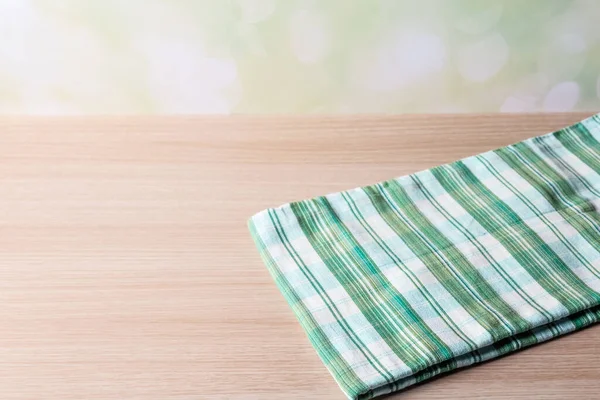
(127, 271)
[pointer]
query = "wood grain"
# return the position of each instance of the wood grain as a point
(127, 272)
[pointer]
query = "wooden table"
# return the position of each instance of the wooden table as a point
(127, 272)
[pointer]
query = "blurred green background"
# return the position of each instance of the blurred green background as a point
(298, 56)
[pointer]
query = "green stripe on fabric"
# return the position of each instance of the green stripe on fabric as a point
(468, 274)
(373, 361)
(409, 273)
(483, 251)
(527, 247)
(567, 169)
(579, 141)
(348, 378)
(585, 147)
(561, 195)
(433, 343)
(454, 282)
(546, 180)
(352, 256)
(530, 205)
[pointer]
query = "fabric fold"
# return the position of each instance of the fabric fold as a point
(400, 281)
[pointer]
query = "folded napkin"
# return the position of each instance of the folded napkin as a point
(403, 280)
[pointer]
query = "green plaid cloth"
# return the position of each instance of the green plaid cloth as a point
(406, 279)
